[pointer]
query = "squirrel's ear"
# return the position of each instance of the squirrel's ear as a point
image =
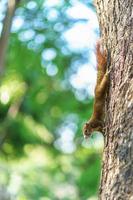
(93, 125)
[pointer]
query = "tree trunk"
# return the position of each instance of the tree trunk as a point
(116, 24)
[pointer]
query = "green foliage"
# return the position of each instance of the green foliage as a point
(39, 107)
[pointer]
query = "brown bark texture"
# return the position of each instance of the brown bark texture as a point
(116, 24)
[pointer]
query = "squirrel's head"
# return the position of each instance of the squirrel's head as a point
(87, 130)
(90, 127)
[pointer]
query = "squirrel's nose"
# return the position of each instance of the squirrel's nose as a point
(85, 136)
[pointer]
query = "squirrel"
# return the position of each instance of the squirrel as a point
(96, 121)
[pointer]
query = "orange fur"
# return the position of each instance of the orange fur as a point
(96, 121)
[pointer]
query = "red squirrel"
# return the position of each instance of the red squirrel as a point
(96, 121)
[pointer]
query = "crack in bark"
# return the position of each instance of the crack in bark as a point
(117, 31)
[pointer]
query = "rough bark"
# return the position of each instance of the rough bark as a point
(116, 24)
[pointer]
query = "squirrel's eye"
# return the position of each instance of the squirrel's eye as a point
(85, 131)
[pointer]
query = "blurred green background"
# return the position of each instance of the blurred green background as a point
(45, 97)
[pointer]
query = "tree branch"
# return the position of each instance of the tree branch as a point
(12, 4)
